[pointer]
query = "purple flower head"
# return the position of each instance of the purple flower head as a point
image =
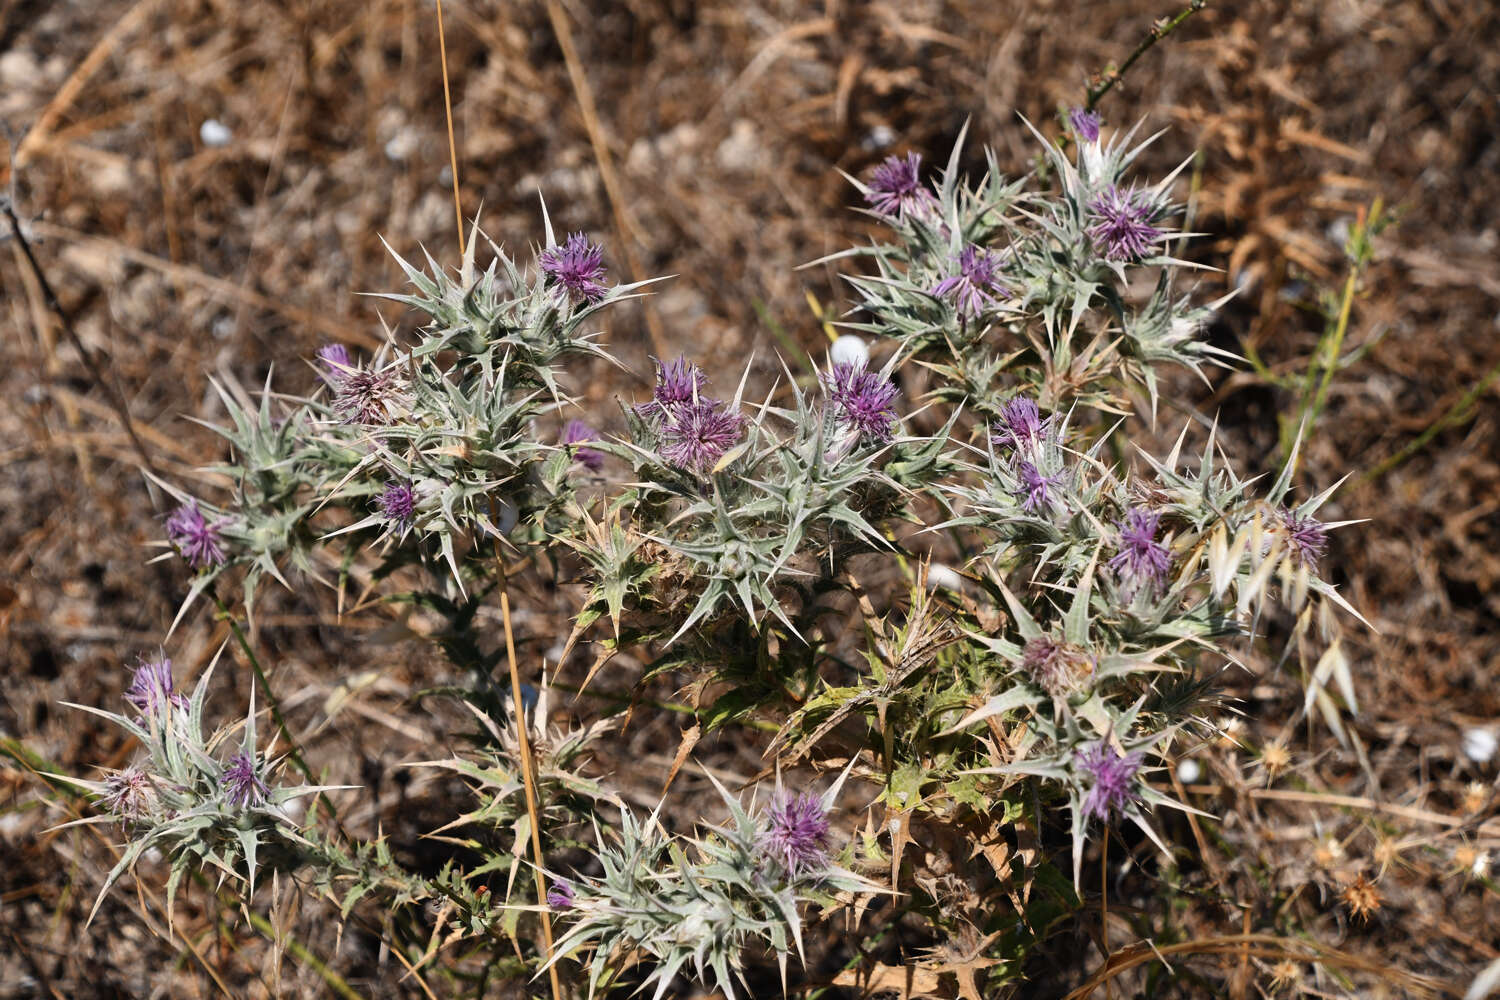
(1306, 536)
(151, 689)
(398, 504)
(197, 539)
(796, 834)
(1112, 785)
(335, 362)
(241, 785)
(1023, 427)
(1123, 230)
(863, 400)
(1142, 560)
(128, 793)
(577, 266)
(974, 287)
(560, 894)
(1055, 667)
(895, 187)
(577, 432)
(1033, 493)
(694, 436)
(366, 397)
(1085, 124)
(677, 382)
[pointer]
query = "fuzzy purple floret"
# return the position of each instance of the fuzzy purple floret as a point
(1112, 784)
(862, 400)
(560, 894)
(151, 688)
(975, 287)
(796, 834)
(577, 266)
(196, 538)
(1123, 229)
(241, 785)
(365, 396)
(1306, 536)
(1022, 425)
(1141, 560)
(694, 436)
(1085, 124)
(677, 382)
(127, 794)
(334, 361)
(895, 189)
(576, 433)
(1042, 661)
(398, 504)
(1034, 486)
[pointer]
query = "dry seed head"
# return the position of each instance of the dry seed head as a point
(1285, 973)
(1476, 794)
(1362, 898)
(1276, 759)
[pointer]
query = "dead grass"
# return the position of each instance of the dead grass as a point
(703, 140)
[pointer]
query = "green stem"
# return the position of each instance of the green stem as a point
(1161, 29)
(1455, 414)
(265, 687)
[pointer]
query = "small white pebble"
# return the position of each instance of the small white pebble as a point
(215, 133)
(942, 576)
(401, 146)
(1481, 866)
(1479, 744)
(878, 138)
(1189, 771)
(849, 350)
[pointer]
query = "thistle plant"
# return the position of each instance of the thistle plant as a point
(724, 540)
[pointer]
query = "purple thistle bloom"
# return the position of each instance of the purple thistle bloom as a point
(864, 400)
(1024, 426)
(578, 266)
(970, 289)
(560, 894)
(1306, 536)
(1034, 487)
(366, 397)
(1142, 560)
(398, 504)
(127, 794)
(241, 785)
(1123, 230)
(335, 361)
(1112, 777)
(696, 435)
(895, 189)
(197, 539)
(1055, 667)
(796, 834)
(151, 689)
(677, 382)
(1085, 124)
(577, 432)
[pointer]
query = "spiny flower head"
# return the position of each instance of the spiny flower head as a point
(863, 400)
(1306, 536)
(1141, 560)
(1111, 780)
(398, 504)
(366, 396)
(242, 787)
(1085, 124)
(974, 287)
(560, 894)
(677, 382)
(795, 834)
(151, 689)
(335, 362)
(694, 436)
(1023, 425)
(895, 187)
(1123, 229)
(577, 266)
(128, 793)
(1033, 493)
(578, 432)
(1055, 667)
(196, 538)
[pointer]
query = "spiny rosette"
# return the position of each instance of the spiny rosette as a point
(241, 784)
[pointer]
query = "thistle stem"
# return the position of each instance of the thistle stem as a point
(1161, 29)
